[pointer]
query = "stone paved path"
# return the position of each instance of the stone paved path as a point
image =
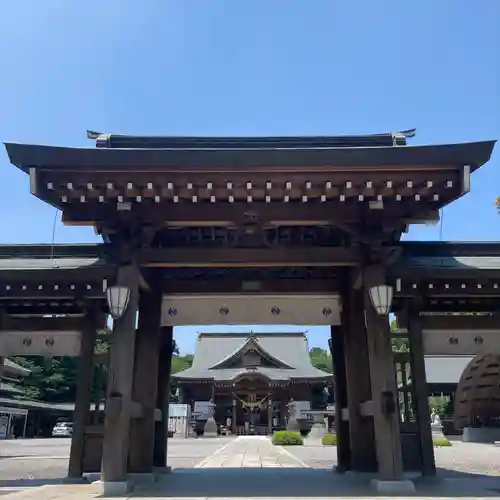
(251, 451)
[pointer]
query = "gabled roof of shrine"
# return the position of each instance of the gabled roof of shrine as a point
(288, 349)
(254, 344)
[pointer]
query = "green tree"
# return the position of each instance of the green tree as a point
(51, 379)
(180, 363)
(321, 359)
(399, 344)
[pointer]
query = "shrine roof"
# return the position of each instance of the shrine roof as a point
(38, 257)
(9, 389)
(12, 368)
(416, 255)
(445, 369)
(448, 256)
(180, 142)
(288, 348)
(25, 156)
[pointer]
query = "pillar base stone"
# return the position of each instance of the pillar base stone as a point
(141, 477)
(114, 488)
(75, 480)
(402, 486)
(161, 472)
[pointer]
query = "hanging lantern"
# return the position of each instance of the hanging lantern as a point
(381, 298)
(118, 298)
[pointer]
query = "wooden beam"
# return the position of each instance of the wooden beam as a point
(249, 257)
(222, 213)
(230, 286)
(460, 322)
(43, 324)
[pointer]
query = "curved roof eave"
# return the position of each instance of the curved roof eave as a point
(25, 156)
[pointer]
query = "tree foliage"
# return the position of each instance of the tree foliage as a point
(321, 359)
(180, 363)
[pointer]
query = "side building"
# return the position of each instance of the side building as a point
(250, 378)
(12, 418)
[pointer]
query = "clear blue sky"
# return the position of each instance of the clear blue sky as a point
(259, 67)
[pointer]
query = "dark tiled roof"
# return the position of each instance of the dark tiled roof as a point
(474, 154)
(15, 369)
(10, 389)
(48, 257)
(444, 256)
(471, 262)
(290, 349)
(36, 405)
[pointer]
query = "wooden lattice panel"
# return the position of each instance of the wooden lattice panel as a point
(477, 398)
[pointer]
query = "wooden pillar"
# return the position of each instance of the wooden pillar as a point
(2, 357)
(147, 346)
(340, 395)
(357, 366)
(419, 384)
(383, 383)
(83, 394)
(118, 410)
(163, 395)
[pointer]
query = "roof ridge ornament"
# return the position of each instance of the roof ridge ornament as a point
(102, 140)
(399, 138)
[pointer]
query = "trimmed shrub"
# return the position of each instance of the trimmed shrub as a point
(329, 440)
(287, 438)
(441, 442)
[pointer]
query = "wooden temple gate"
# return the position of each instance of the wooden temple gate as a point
(184, 218)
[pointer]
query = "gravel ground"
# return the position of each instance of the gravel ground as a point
(43, 461)
(453, 461)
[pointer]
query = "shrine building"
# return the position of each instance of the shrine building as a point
(251, 378)
(268, 231)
